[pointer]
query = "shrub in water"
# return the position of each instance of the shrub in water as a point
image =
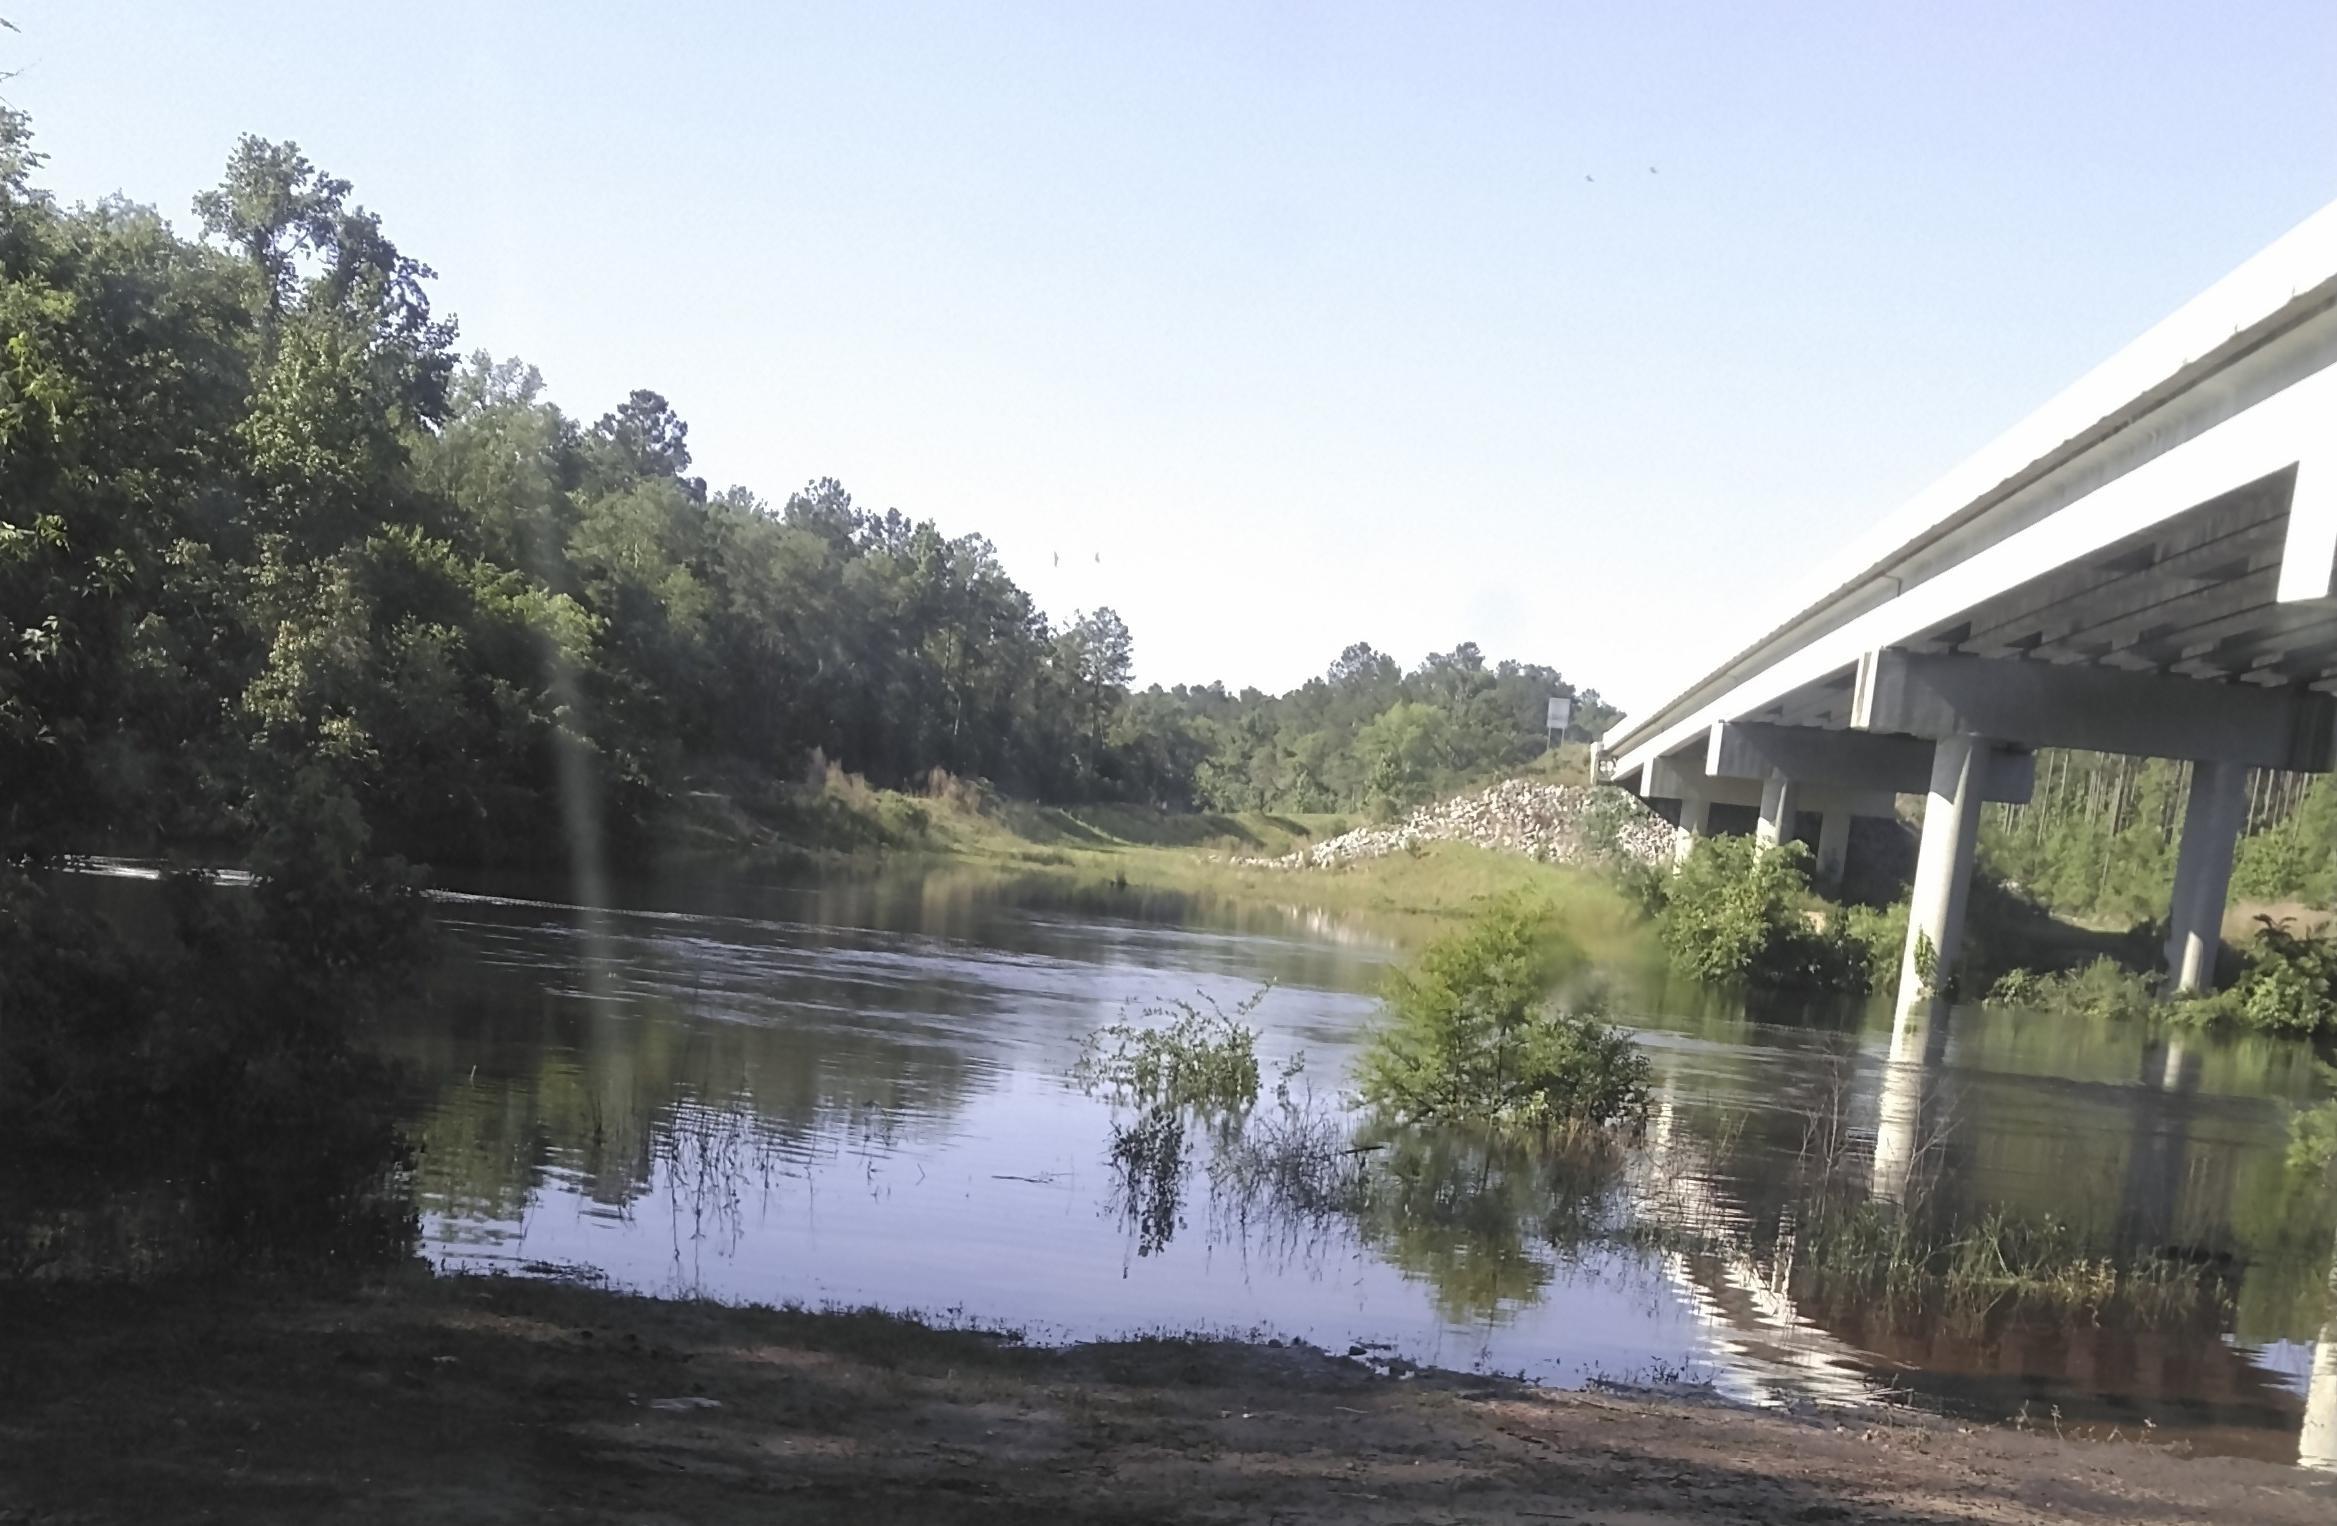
(1867, 942)
(1470, 1034)
(2312, 1137)
(2103, 988)
(2290, 984)
(1736, 911)
(1201, 1056)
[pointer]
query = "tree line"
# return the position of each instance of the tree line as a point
(288, 580)
(2099, 836)
(282, 566)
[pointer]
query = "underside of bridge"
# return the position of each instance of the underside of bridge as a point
(2148, 566)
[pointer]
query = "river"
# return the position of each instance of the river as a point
(853, 1091)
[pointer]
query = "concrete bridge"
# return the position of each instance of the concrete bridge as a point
(2146, 565)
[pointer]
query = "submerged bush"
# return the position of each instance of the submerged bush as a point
(1199, 1066)
(1736, 911)
(2287, 984)
(2103, 988)
(1202, 1056)
(1470, 1033)
(1885, 1256)
(1731, 910)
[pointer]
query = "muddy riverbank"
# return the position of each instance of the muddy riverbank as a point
(489, 1399)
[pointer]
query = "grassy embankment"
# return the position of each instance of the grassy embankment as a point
(847, 822)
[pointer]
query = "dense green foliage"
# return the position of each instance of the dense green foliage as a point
(1735, 912)
(276, 559)
(2287, 984)
(1471, 1034)
(268, 541)
(1369, 735)
(2100, 988)
(2100, 836)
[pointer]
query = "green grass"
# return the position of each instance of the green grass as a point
(1410, 896)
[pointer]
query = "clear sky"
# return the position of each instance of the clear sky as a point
(1568, 329)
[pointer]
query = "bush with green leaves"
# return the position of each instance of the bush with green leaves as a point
(2103, 988)
(2289, 984)
(1471, 1033)
(1202, 1056)
(1647, 887)
(1737, 911)
(2312, 1132)
(1868, 942)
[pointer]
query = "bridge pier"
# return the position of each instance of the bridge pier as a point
(1943, 866)
(2212, 817)
(1918, 1045)
(1695, 818)
(1779, 798)
(1833, 848)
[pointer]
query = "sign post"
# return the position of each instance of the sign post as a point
(1561, 716)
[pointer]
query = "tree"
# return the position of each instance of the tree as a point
(269, 552)
(1096, 657)
(274, 208)
(1408, 749)
(1470, 1034)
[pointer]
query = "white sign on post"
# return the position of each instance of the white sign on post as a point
(1561, 714)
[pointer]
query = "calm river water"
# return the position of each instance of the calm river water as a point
(853, 1092)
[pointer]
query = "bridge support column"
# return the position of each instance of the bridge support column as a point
(1943, 866)
(1833, 848)
(1695, 812)
(2212, 818)
(1918, 1044)
(1778, 798)
(2317, 1444)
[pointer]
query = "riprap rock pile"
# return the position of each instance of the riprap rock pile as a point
(1556, 823)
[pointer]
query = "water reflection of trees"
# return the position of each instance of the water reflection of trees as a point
(183, 1084)
(610, 1090)
(2102, 1311)
(826, 1010)
(1485, 1219)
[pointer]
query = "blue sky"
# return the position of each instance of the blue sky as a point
(1566, 329)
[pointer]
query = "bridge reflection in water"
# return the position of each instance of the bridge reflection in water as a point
(1781, 1338)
